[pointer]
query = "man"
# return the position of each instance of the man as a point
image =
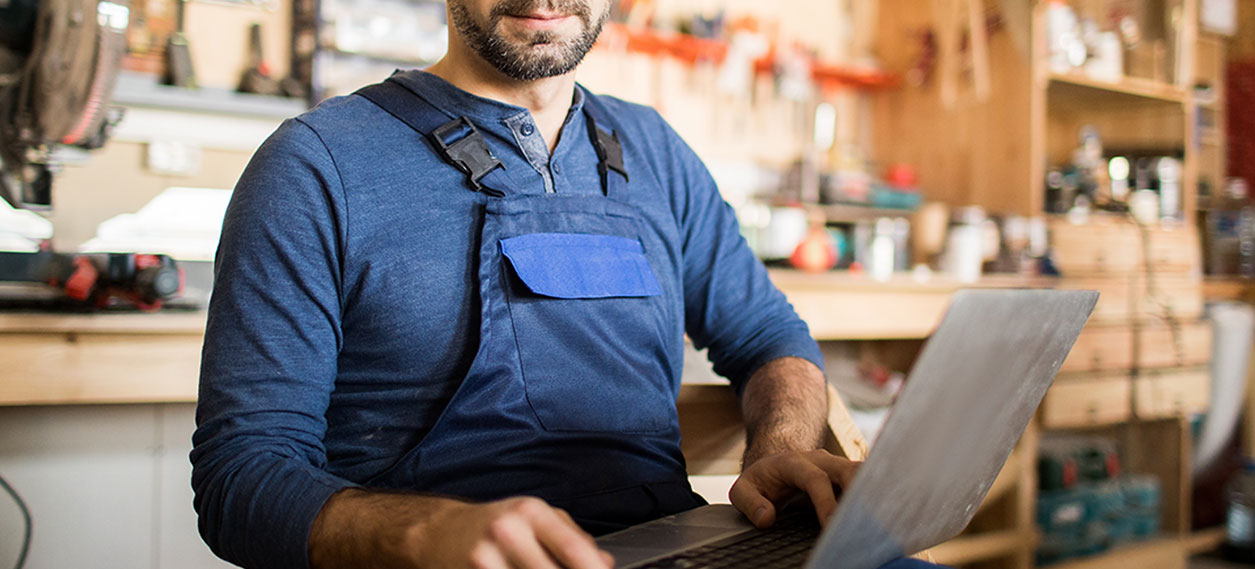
(409, 364)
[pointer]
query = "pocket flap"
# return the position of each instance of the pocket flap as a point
(579, 265)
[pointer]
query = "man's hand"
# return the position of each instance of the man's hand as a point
(524, 533)
(772, 480)
(785, 406)
(365, 529)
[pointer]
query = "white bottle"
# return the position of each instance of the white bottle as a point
(1169, 170)
(1061, 34)
(883, 256)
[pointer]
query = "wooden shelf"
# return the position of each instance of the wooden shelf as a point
(1205, 540)
(846, 212)
(58, 359)
(844, 306)
(1068, 90)
(967, 549)
(167, 322)
(1228, 287)
(138, 90)
(1163, 553)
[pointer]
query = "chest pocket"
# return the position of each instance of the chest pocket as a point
(589, 322)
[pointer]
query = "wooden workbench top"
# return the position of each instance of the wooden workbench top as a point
(57, 359)
(846, 306)
(830, 284)
(168, 322)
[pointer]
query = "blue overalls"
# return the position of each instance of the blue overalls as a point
(569, 397)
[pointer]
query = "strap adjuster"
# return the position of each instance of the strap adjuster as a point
(609, 150)
(470, 154)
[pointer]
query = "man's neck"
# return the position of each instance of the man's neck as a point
(549, 99)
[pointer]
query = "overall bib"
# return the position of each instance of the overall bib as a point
(570, 397)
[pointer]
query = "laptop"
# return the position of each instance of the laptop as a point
(968, 399)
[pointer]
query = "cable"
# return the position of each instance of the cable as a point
(26, 517)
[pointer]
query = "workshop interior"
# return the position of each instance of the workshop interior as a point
(880, 155)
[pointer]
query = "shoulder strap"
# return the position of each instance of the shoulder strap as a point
(469, 153)
(608, 146)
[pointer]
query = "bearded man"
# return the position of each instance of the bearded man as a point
(449, 313)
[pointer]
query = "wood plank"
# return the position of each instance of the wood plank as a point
(1087, 401)
(49, 369)
(844, 438)
(1180, 297)
(167, 322)
(1205, 540)
(1167, 553)
(712, 432)
(1072, 90)
(1168, 345)
(1100, 348)
(868, 315)
(1115, 296)
(1113, 245)
(1162, 448)
(1025, 503)
(973, 152)
(1229, 288)
(989, 545)
(1128, 298)
(842, 306)
(1171, 393)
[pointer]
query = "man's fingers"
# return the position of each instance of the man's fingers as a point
(486, 555)
(749, 499)
(513, 533)
(567, 542)
(817, 484)
(840, 470)
(775, 477)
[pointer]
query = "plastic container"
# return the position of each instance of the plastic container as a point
(1239, 544)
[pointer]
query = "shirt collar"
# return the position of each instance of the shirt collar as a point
(455, 102)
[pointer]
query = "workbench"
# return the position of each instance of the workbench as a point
(56, 359)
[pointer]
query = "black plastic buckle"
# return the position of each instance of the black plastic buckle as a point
(470, 154)
(609, 151)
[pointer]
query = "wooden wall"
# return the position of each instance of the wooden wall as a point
(975, 152)
(1242, 46)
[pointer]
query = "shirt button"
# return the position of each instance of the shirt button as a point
(556, 168)
(528, 129)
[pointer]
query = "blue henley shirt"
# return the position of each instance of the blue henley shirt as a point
(344, 314)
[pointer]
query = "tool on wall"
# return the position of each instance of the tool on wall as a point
(257, 77)
(952, 28)
(179, 70)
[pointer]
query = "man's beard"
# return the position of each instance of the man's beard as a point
(541, 53)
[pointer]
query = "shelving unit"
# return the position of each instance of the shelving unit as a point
(1075, 90)
(1134, 374)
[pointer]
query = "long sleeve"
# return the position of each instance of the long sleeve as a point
(731, 305)
(269, 359)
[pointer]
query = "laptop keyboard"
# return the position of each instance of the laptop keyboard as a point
(784, 545)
